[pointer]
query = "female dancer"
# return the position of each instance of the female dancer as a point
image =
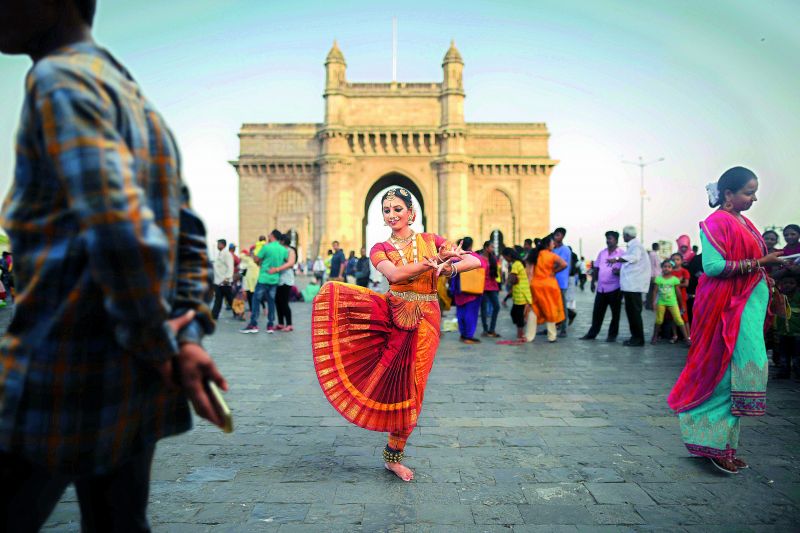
(548, 305)
(726, 371)
(373, 352)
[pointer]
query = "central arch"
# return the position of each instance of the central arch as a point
(388, 180)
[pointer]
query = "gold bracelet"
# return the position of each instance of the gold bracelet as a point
(455, 269)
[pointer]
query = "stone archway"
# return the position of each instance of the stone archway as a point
(497, 213)
(391, 179)
(292, 215)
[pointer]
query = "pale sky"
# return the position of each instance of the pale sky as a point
(705, 85)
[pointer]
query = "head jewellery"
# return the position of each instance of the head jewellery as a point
(713, 193)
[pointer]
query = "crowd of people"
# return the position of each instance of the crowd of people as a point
(540, 278)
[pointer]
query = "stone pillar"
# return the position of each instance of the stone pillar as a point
(455, 209)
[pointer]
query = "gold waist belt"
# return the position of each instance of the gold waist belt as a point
(412, 296)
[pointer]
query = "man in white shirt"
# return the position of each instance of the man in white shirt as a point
(223, 277)
(634, 279)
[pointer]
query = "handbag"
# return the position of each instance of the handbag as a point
(472, 281)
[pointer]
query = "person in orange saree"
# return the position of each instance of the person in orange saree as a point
(548, 305)
(373, 352)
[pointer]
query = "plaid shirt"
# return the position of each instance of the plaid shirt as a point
(106, 249)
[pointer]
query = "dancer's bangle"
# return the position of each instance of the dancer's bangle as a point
(453, 270)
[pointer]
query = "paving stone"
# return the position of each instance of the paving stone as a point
(496, 514)
(322, 513)
(601, 475)
(271, 513)
(203, 474)
(491, 494)
(555, 514)
(679, 493)
(615, 514)
(611, 493)
(557, 493)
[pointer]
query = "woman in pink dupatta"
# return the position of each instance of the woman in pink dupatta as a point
(725, 376)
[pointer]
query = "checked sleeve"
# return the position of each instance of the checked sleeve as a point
(128, 253)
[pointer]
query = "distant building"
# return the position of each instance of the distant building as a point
(318, 179)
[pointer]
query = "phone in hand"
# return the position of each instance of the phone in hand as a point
(218, 402)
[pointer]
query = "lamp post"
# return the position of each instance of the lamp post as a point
(641, 164)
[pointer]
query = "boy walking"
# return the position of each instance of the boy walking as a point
(113, 272)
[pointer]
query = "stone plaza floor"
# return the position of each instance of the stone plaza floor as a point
(571, 436)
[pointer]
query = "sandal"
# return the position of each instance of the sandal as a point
(722, 467)
(741, 465)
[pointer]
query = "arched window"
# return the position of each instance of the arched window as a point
(290, 201)
(498, 214)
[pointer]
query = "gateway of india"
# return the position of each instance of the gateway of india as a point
(319, 179)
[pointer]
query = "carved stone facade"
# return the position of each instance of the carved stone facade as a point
(318, 179)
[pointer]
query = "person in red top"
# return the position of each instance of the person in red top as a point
(683, 274)
(236, 259)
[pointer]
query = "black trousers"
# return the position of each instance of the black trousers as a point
(363, 282)
(220, 292)
(282, 305)
(648, 303)
(633, 310)
(112, 502)
(602, 301)
(518, 315)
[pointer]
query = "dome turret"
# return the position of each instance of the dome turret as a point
(453, 55)
(335, 55)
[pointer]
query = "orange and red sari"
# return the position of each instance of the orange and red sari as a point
(373, 352)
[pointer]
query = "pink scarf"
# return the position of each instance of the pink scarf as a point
(684, 240)
(718, 308)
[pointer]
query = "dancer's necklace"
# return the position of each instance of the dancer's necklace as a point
(414, 251)
(399, 240)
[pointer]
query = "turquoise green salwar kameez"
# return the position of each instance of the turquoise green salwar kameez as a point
(711, 429)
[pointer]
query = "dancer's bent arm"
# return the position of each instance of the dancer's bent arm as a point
(396, 274)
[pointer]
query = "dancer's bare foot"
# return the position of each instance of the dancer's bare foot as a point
(400, 470)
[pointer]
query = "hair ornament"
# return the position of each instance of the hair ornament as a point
(713, 193)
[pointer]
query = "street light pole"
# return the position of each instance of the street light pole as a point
(641, 164)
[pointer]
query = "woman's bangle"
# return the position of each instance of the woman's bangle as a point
(453, 270)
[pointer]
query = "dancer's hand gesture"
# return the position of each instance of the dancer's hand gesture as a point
(455, 251)
(438, 267)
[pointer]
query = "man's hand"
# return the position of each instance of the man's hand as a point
(191, 367)
(194, 366)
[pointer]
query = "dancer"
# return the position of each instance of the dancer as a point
(726, 371)
(543, 265)
(373, 352)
